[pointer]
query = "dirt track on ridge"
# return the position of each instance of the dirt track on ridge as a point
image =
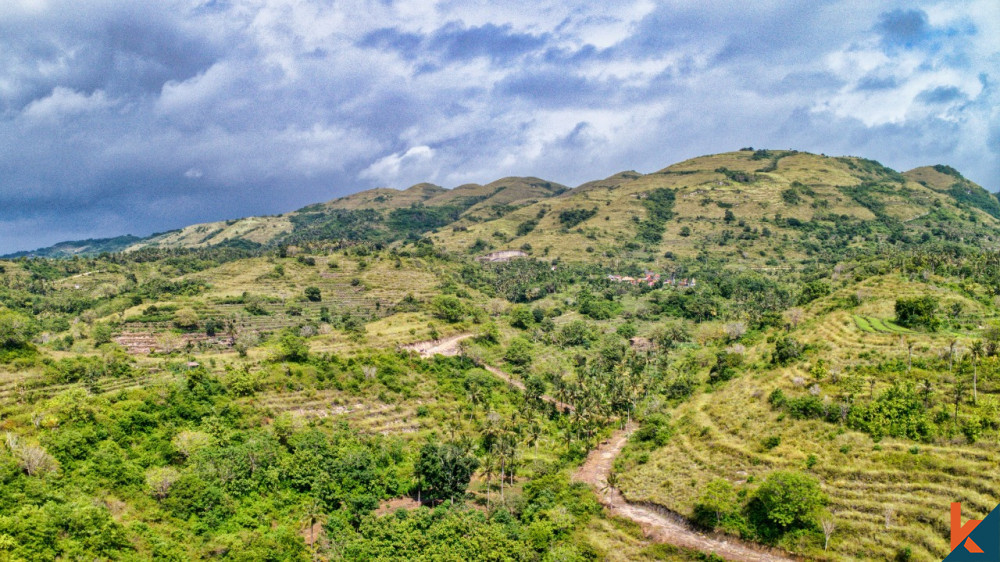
(657, 523)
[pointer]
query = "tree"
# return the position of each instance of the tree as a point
(611, 482)
(448, 308)
(790, 499)
(917, 312)
(735, 330)
(718, 499)
(160, 479)
(786, 349)
(726, 366)
(101, 333)
(313, 294)
(186, 319)
(794, 316)
(519, 353)
(15, 329)
(521, 317)
(829, 527)
(977, 353)
(293, 348)
(445, 469)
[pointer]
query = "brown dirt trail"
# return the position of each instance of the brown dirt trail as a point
(658, 523)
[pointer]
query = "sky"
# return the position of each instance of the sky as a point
(123, 117)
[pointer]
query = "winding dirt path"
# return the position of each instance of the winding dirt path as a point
(450, 347)
(561, 406)
(658, 523)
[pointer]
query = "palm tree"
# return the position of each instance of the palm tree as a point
(951, 354)
(958, 390)
(611, 482)
(977, 352)
(909, 355)
(489, 470)
(312, 515)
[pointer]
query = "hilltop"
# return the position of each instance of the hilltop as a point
(740, 205)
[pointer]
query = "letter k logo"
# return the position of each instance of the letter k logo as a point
(960, 532)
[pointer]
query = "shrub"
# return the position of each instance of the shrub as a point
(313, 294)
(448, 308)
(786, 350)
(917, 312)
(572, 217)
(789, 499)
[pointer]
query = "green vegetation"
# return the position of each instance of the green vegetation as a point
(827, 386)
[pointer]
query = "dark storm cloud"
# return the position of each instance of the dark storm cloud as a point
(123, 117)
(456, 42)
(552, 88)
(942, 94)
(904, 27)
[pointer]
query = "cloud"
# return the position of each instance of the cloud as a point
(941, 94)
(903, 27)
(64, 102)
(132, 117)
(413, 165)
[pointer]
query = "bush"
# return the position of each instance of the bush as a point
(786, 350)
(448, 308)
(789, 499)
(15, 329)
(917, 312)
(313, 294)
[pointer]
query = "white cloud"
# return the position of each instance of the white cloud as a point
(411, 166)
(64, 102)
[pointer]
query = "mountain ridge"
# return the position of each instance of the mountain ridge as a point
(768, 186)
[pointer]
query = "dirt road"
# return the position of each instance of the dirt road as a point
(658, 523)
(447, 346)
(561, 406)
(450, 346)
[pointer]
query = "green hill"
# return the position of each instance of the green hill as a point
(765, 320)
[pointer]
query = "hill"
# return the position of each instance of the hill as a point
(708, 335)
(757, 208)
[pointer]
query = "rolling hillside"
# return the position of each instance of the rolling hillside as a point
(741, 205)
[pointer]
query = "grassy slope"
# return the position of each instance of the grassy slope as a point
(910, 485)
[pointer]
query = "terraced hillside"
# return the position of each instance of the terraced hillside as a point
(887, 494)
(355, 384)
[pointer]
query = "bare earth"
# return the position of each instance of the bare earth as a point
(447, 346)
(658, 523)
